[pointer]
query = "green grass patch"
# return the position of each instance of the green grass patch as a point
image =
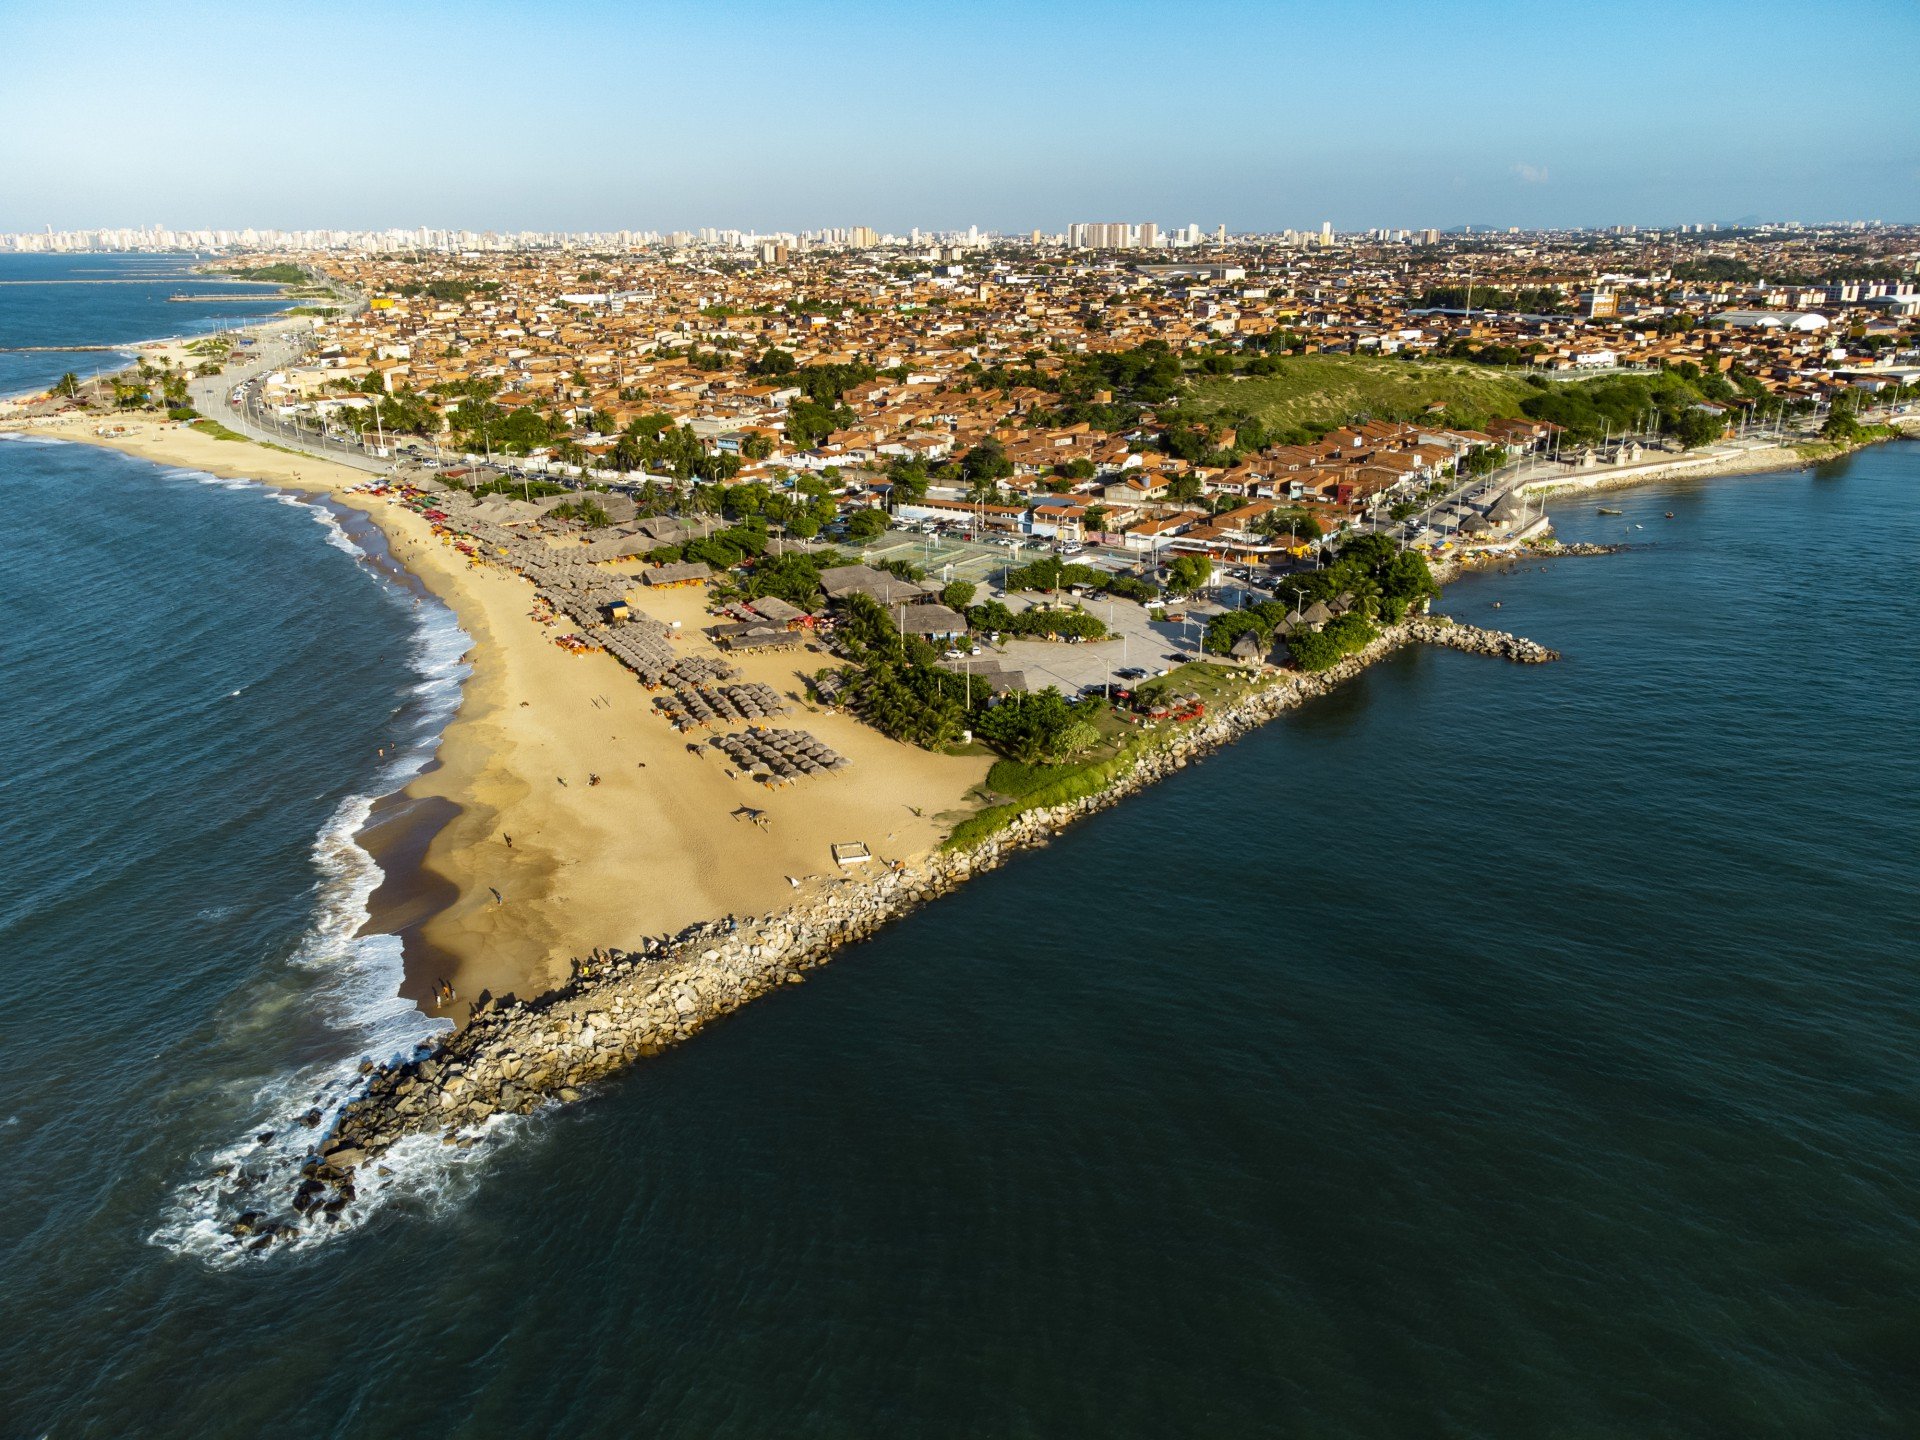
(1044, 786)
(1040, 787)
(221, 432)
(1212, 683)
(1323, 391)
(282, 274)
(1013, 779)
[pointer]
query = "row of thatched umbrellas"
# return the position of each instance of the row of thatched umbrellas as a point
(787, 754)
(694, 705)
(694, 670)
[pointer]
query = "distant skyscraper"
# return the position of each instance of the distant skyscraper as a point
(1112, 235)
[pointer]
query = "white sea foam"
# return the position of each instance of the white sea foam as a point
(336, 533)
(355, 983)
(201, 477)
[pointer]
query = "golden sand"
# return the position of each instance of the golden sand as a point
(656, 844)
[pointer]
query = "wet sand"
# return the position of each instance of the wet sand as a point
(655, 846)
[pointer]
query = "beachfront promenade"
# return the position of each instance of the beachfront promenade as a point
(275, 350)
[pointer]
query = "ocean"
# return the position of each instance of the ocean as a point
(47, 301)
(1486, 1050)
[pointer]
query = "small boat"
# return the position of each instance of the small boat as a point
(1605, 511)
(1669, 514)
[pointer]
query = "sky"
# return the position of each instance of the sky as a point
(591, 115)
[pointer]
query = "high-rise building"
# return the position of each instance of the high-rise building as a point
(1112, 235)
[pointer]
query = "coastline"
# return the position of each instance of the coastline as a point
(610, 925)
(1708, 464)
(498, 771)
(655, 847)
(518, 1055)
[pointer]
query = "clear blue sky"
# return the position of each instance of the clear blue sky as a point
(1006, 115)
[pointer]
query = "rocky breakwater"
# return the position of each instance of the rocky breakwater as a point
(514, 1055)
(1498, 644)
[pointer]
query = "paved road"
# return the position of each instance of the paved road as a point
(275, 348)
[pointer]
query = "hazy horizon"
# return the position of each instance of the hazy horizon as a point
(595, 117)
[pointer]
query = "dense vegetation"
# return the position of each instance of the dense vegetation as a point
(896, 687)
(282, 274)
(1050, 572)
(1526, 299)
(1038, 623)
(1376, 577)
(1301, 398)
(1036, 729)
(1636, 404)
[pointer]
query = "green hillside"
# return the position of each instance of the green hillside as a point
(1315, 393)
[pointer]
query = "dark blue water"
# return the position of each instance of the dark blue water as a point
(64, 304)
(1486, 1051)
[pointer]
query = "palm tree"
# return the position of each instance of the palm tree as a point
(68, 385)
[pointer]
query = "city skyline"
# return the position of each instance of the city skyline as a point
(581, 117)
(1092, 237)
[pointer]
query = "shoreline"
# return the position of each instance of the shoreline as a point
(1709, 464)
(400, 831)
(518, 1055)
(620, 977)
(656, 847)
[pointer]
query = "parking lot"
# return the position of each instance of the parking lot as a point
(1136, 643)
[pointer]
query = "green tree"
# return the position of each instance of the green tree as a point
(986, 462)
(1184, 488)
(1842, 422)
(867, 524)
(1188, 573)
(1694, 427)
(67, 385)
(1036, 728)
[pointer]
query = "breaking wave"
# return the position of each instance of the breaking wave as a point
(352, 982)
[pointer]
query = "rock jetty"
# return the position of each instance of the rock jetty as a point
(516, 1055)
(1497, 644)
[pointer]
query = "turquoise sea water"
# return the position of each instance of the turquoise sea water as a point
(52, 300)
(1485, 1051)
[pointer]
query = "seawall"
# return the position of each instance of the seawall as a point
(515, 1055)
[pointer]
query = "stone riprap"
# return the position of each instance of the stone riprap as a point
(515, 1055)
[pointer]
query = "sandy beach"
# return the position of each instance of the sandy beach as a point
(656, 845)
